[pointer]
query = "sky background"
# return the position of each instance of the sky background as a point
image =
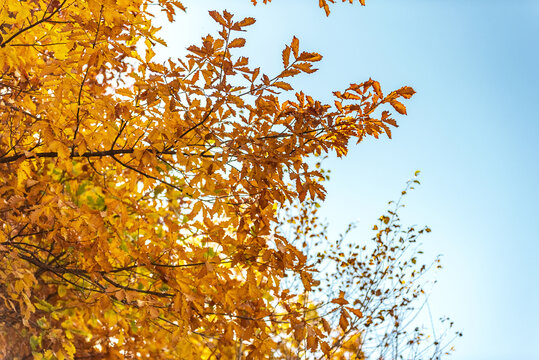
(471, 129)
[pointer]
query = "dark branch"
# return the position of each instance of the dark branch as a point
(88, 154)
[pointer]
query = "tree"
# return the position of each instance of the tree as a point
(368, 294)
(140, 200)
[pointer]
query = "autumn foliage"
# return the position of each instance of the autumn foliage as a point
(143, 203)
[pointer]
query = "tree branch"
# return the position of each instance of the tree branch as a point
(88, 154)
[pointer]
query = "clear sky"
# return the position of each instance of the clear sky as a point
(472, 130)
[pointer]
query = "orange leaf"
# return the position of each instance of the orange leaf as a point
(340, 301)
(349, 96)
(217, 17)
(343, 321)
(295, 46)
(377, 89)
(356, 312)
(289, 72)
(286, 56)
(312, 342)
(326, 349)
(239, 42)
(247, 22)
(282, 85)
(406, 92)
(312, 57)
(338, 104)
(401, 109)
(325, 324)
(305, 67)
(228, 16)
(323, 5)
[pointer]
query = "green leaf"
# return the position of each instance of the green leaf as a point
(35, 342)
(81, 189)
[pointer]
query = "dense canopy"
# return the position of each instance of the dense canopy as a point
(142, 203)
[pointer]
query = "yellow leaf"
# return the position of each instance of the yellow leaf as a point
(60, 355)
(62, 291)
(69, 348)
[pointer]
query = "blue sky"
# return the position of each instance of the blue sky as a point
(472, 130)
